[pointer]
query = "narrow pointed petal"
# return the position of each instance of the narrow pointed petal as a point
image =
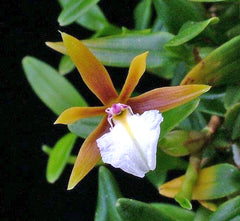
(136, 70)
(57, 46)
(92, 71)
(73, 114)
(166, 98)
(88, 155)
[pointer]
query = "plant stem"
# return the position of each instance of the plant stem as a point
(183, 197)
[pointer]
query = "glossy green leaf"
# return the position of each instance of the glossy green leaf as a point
(108, 193)
(74, 9)
(84, 127)
(190, 30)
(220, 67)
(59, 157)
(165, 163)
(213, 183)
(52, 88)
(175, 13)
(180, 143)
(202, 214)
(119, 50)
(133, 210)
(232, 121)
(143, 14)
(173, 117)
(93, 19)
(48, 150)
(66, 65)
(232, 96)
(228, 211)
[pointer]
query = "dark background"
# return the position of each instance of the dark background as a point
(26, 124)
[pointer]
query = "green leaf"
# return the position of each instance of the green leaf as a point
(143, 14)
(194, 122)
(108, 193)
(190, 30)
(48, 150)
(74, 9)
(212, 102)
(175, 13)
(202, 214)
(213, 183)
(59, 157)
(93, 19)
(180, 73)
(164, 164)
(52, 88)
(84, 127)
(232, 121)
(174, 212)
(220, 67)
(232, 96)
(228, 211)
(133, 210)
(173, 117)
(234, 31)
(205, 51)
(119, 50)
(158, 25)
(180, 143)
(213, 107)
(66, 65)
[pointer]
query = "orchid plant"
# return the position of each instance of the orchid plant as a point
(131, 146)
(146, 135)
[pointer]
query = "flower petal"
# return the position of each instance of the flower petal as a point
(92, 71)
(166, 98)
(136, 70)
(132, 143)
(73, 114)
(57, 46)
(88, 155)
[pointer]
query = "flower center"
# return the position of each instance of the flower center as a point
(117, 109)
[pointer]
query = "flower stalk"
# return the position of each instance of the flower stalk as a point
(183, 197)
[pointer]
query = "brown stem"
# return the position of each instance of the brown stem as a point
(213, 124)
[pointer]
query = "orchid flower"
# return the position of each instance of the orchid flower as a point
(128, 132)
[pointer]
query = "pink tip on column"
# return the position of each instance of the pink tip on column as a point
(116, 109)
